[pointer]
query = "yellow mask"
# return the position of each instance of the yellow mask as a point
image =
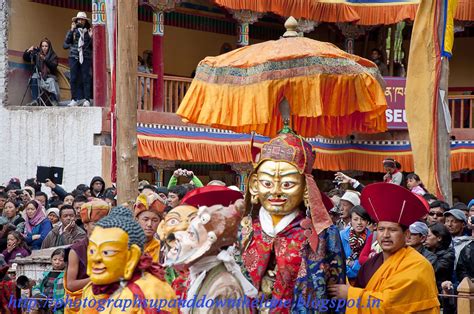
(279, 187)
(177, 219)
(106, 253)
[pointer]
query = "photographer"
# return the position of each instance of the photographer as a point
(45, 62)
(187, 174)
(79, 42)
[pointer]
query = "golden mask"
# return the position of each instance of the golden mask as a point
(278, 186)
(106, 253)
(177, 219)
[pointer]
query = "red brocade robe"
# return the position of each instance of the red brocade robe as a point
(286, 245)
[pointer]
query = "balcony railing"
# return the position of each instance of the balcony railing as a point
(175, 89)
(461, 108)
(145, 90)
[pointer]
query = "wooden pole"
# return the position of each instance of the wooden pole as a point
(158, 60)
(127, 47)
(99, 52)
(366, 44)
(444, 142)
(393, 28)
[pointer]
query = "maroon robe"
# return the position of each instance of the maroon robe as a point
(368, 269)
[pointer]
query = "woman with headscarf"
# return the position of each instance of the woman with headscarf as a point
(45, 61)
(37, 226)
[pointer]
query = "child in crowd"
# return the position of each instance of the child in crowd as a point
(51, 285)
(392, 170)
(415, 185)
(15, 245)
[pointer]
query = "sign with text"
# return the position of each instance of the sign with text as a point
(395, 94)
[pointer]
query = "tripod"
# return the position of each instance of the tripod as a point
(39, 101)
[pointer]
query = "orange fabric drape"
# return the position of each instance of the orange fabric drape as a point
(232, 152)
(186, 150)
(365, 14)
(464, 10)
(330, 92)
(385, 14)
(308, 9)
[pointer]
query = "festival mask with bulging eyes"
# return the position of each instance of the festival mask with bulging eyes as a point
(213, 228)
(177, 219)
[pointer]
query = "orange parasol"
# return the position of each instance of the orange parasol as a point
(318, 88)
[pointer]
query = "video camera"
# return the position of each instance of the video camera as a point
(35, 51)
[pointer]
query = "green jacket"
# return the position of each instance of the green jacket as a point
(58, 292)
(174, 181)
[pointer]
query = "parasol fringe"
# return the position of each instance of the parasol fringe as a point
(324, 104)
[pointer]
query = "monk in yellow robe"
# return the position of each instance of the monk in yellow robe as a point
(148, 211)
(399, 279)
(76, 276)
(119, 273)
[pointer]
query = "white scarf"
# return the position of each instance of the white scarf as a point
(198, 272)
(267, 222)
(80, 44)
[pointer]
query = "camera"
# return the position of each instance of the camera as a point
(472, 219)
(19, 192)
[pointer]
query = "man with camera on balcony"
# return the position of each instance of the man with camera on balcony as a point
(79, 42)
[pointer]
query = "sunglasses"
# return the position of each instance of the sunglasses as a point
(436, 214)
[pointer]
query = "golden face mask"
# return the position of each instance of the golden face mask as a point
(177, 219)
(279, 187)
(106, 253)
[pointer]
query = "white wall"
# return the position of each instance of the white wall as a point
(61, 137)
(4, 21)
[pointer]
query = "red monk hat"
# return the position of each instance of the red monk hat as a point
(391, 202)
(211, 195)
(327, 202)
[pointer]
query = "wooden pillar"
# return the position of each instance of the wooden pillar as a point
(466, 296)
(244, 18)
(158, 60)
(393, 28)
(159, 166)
(242, 170)
(99, 51)
(444, 142)
(127, 46)
(243, 34)
(351, 33)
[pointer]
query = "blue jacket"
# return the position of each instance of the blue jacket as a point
(42, 229)
(351, 271)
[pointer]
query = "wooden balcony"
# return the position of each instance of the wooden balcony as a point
(461, 108)
(174, 91)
